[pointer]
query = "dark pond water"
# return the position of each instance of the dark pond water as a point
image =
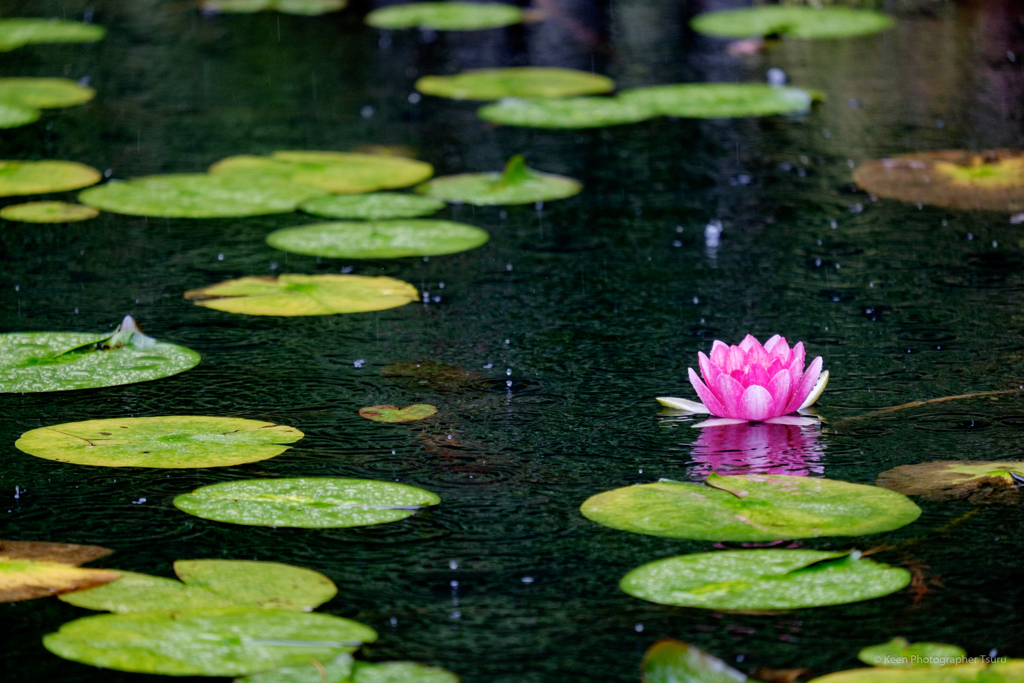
(594, 304)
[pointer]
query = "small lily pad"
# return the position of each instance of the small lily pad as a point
(212, 584)
(428, 373)
(901, 654)
(792, 21)
(958, 179)
(373, 206)
(208, 642)
(975, 671)
(309, 8)
(310, 503)
(673, 661)
(763, 580)
(751, 508)
(198, 195)
(379, 239)
(401, 672)
(175, 442)
(518, 184)
(389, 413)
(34, 569)
(14, 115)
(516, 81)
(338, 671)
(38, 177)
(717, 100)
(297, 295)
(48, 212)
(17, 32)
(977, 482)
(44, 93)
(568, 112)
(445, 16)
(335, 172)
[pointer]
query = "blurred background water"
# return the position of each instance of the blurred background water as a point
(590, 306)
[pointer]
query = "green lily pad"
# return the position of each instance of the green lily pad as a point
(17, 32)
(793, 21)
(518, 184)
(977, 482)
(975, 671)
(209, 642)
(569, 112)
(379, 239)
(309, 8)
(174, 442)
(212, 583)
(48, 212)
(420, 411)
(718, 100)
(338, 671)
(901, 654)
(44, 93)
(374, 206)
(428, 373)
(198, 195)
(345, 670)
(297, 295)
(673, 661)
(310, 503)
(516, 81)
(401, 672)
(763, 580)
(751, 508)
(446, 16)
(37, 177)
(16, 115)
(335, 172)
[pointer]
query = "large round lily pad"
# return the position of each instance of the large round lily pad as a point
(975, 671)
(335, 172)
(717, 100)
(751, 508)
(568, 112)
(198, 195)
(379, 239)
(901, 654)
(44, 93)
(794, 21)
(63, 361)
(446, 16)
(977, 482)
(296, 295)
(309, 8)
(516, 81)
(673, 661)
(958, 179)
(518, 184)
(211, 584)
(373, 206)
(13, 115)
(763, 580)
(17, 32)
(309, 503)
(48, 212)
(37, 177)
(209, 642)
(174, 442)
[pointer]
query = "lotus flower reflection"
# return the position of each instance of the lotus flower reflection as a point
(794, 450)
(754, 383)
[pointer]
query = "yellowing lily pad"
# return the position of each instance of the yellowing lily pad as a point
(763, 580)
(389, 413)
(198, 195)
(335, 172)
(181, 441)
(379, 239)
(207, 642)
(45, 551)
(212, 584)
(569, 112)
(307, 8)
(751, 508)
(310, 503)
(899, 653)
(17, 32)
(38, 177)
(792, 21)
(445, 16)
(518, 184)
(516, 81)
(373, 206)
(976, 671)
(958, 179)
(14, 115)
(977, 482)
(34, 569)
(297, 295)
(673, 661)
(44, 93)
(717, 100)
(48, 212)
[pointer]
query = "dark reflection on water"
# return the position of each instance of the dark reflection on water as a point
(758, 449)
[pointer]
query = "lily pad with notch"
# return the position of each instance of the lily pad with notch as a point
(306, 503)
(517, 184)
(48, 212)
(673, 661)
(791, 21)
(309, 8)
(389, 413)
(763, 580)
(334, 172)
(983, 482)
(38, 177)
(39, 569)
(516, 81)
(718, 100)
(44, 93)
(445, 16)
(17, 32)
(373, 206)
(567, 112)
(171, 442)
(379, 239)
(899, 653)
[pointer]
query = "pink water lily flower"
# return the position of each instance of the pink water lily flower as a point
(754, 383)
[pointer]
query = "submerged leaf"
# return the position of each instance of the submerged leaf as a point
(335, 172)
(373, 206)
(302, 7)
(44, 93)
(27, 580)
(379, 239)
(569, 112)
(901, 654)
(298, 295)
(20, 31)
(978, 482)
(389, 413)
(518, 184)
(673, 661)
(717, 100)
(445, 16)
(516, 81)
(975, 671)
(45, 551)
(794, 21)
(37, 177)
(428, 373)
(309, 503)
(48, 212)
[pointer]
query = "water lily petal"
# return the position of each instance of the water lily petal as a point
(708, 370)
(735, 359)
(749, 342)
(806, 385)
(729, 391)
(755, 374)
(796, 363)
(756, 404)
(719, 353)
(711, 402)
(792, 421)
(779, 349)
(682, 404)
(815, 394)
(780, 387)
(718, 422)
(757, 356)
(772, 341)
